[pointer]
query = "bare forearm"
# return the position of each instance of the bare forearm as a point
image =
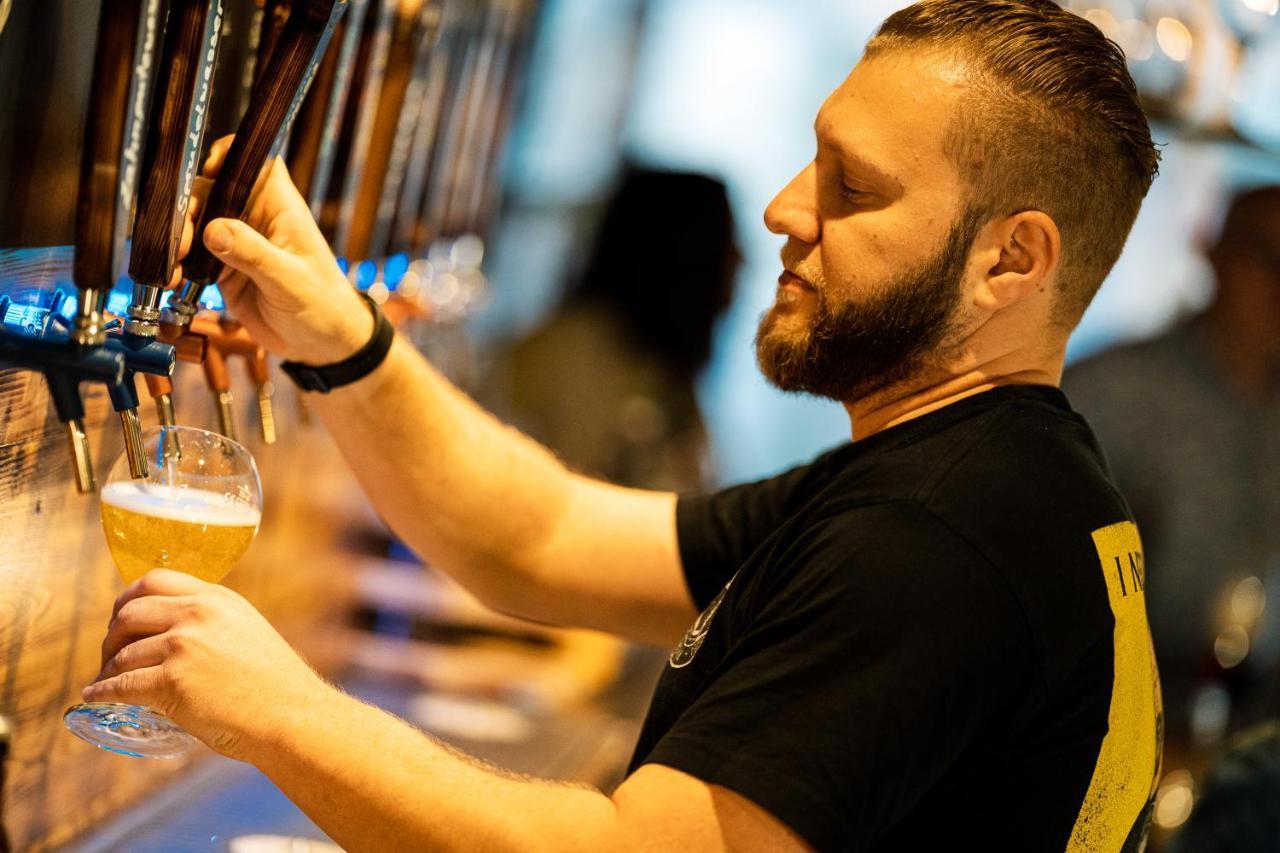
(373, 783)
(501, 514)
(466, 492)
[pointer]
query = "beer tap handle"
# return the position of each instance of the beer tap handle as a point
(273, 104)
(171, 158)
(95, 242)
(95, 223)
(275, 14)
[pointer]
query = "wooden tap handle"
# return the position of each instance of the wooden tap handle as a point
(275, 14)
(174, 136)
(271, 107)
(104, 144)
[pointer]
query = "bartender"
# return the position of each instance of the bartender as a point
(930, 637)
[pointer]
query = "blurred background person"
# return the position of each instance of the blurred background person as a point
(608, 382)
(1190, 422)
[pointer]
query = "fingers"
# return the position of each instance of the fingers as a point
(149, 651)
(244, 250)
(137, 687)
(158, 582)
(142, 617)
(200, 188)
(188, 235)
(217, 154)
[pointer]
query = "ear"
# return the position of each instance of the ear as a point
(1020, 256)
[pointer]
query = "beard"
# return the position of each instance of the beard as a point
(859, 348)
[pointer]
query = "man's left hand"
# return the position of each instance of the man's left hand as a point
(203, 656)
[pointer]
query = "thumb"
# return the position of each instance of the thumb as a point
(244, 250)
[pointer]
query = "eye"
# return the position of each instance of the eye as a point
(852, 194)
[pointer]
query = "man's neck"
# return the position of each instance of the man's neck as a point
(913, 398)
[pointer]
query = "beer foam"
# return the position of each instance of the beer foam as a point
(194, 506)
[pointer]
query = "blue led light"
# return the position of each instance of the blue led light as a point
(118, 303)
(394, 269)
(366, 274)
(212, 298)
(344, 265)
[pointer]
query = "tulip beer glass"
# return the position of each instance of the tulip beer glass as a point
(196, 512)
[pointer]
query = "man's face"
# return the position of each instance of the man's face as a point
(878, 236)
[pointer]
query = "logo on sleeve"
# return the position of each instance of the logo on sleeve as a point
(682, 655)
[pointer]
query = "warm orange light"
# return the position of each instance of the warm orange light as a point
(1174, 39)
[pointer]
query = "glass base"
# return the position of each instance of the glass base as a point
(128, 730)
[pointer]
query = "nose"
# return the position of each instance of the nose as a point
(794, 211)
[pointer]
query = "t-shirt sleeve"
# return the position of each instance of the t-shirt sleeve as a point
(717, 532)
(890, 651)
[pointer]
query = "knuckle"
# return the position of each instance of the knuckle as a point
(177, 642)
(127, 614)
(194, 610)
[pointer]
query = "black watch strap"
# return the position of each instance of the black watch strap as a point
(329, 376)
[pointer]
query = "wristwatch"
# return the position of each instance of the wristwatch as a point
(325, 378)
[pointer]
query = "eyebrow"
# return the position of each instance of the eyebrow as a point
(851, 157)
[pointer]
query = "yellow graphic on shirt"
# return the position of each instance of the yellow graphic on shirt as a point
(1115, 809)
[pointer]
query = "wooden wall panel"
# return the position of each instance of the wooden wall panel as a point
(57, 583)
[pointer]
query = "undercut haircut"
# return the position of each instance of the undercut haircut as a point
(1051, 122)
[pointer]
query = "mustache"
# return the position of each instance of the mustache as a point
(796, 259)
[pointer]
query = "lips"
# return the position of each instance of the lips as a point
(789, 279)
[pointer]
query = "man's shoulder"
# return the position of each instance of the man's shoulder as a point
(855, 551)
(1033, 496)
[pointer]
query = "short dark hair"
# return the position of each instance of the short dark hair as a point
(1053, 124)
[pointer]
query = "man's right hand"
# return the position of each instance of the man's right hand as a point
(281, 279)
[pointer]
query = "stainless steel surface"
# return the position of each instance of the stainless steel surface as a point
(223, 402)
(164, 410)
(144, 312)
(266, 414)
(89, 326)
(133, 447)
(81, 460)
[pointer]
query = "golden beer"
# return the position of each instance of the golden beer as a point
(198, 532)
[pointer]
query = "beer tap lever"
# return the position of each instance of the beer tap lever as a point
(85, 353)
(272, 107)
(171, 157)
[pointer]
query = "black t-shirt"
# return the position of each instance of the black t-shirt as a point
(930, 638)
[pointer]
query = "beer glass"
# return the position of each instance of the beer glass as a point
(195, 512)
